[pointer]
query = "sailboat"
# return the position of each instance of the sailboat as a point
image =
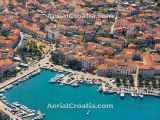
(88, 113)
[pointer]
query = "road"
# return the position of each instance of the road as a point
(116, 17)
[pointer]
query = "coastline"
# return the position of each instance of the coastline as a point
(105, 83)
(79, 77)
(87, 77)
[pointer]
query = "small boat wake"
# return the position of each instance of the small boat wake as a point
(88, 113)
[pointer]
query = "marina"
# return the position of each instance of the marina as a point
(70, 78)
(18, 110)
(23, 112)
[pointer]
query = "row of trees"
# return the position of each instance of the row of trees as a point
(128, 81)
(34, 50)
(151, 83)
(9, 73)
(30, 49)
(124, 81)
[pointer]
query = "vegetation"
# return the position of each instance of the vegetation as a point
(1, 24)
(1, 9)
(10, 5)
(70, 32)
(150, 83)
(125, 81)
(95, 34)
(21, 1)
(84, 40)
(136, 57)
(89, 21)
(158, 61)
(103, 10)
(141, 45)
(10, 73)
(58, 58)
(74, 64)
(32, 50)
(5, 32)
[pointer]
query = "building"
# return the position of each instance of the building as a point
(6, 65)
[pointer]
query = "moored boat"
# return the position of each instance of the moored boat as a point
(132, 94)
(57, 77)
(75, 84)
(122, 94)
(88, 113)
(141, 96)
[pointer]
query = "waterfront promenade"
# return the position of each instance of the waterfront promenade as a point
(79, 76)
(19, 76)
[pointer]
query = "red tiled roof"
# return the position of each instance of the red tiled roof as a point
(5, 63)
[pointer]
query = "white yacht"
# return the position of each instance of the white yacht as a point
(54, 79)
(132, 94)
(2, 90)
(141, 96)
(88, 113)
(75, 84)
(122, 94)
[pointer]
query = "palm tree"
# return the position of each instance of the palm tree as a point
(118, 81)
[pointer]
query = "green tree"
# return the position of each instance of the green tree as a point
(5, 32)
(74, 64)
(84, 40)
(22, 1)
(10, 5)
(58, 58)
(95, 34)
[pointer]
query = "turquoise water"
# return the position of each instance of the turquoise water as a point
(37, 93)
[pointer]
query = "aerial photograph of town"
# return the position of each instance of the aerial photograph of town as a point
(79, 59)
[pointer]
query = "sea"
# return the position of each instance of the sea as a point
(61, 102)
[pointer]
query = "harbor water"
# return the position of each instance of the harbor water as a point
(37, 93)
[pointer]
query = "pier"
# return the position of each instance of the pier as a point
(21, 76)
(17, 111)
